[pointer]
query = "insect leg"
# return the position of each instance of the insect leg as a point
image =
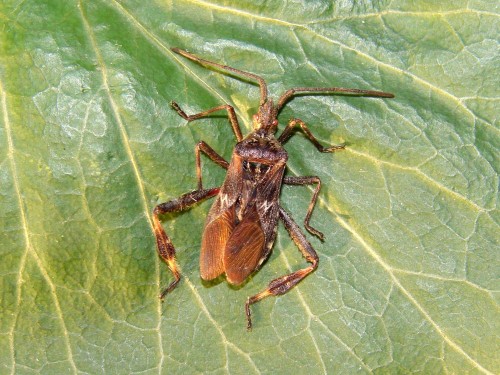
(166, 249)
(283, 284)
(287, 133)
(230, 111)
(212, 154)
(308, 180)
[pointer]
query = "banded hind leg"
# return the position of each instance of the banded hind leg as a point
(283, 284)
(166, 249)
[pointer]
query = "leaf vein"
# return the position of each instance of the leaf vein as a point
(29, 249)
(128, 149)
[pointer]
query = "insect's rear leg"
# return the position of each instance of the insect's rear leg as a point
(166, 249)
(308, 180)
(287, 133)
(230, 111)
(283, 284)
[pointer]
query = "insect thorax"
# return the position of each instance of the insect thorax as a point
(261, 147)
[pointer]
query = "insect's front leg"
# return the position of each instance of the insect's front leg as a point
(287, 133)
(308, 180)
(283, 284)
(166, 249)
(230, 111)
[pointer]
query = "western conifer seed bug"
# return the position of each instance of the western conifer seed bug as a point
(241, 225)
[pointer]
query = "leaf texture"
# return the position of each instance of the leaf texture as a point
(408, 277)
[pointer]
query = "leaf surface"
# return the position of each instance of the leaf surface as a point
(409, 275)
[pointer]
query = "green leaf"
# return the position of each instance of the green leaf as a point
(408, 277)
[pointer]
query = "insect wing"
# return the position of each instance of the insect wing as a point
(220, 223)
(244, 249)
(215, 237)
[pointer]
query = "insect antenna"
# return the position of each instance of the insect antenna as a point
(333, 90)
(260, 80)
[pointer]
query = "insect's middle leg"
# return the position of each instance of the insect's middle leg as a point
(166, 249)
(212, 154)
(287, 133)
(283, 284)
(308, 180)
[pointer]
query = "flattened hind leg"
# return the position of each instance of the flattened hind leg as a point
(166, 249)
(283, 284)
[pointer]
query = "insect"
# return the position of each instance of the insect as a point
(241, 226)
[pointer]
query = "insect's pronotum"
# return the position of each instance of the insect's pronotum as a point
(241, 226)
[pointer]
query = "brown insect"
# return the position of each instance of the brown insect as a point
(241, 226)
